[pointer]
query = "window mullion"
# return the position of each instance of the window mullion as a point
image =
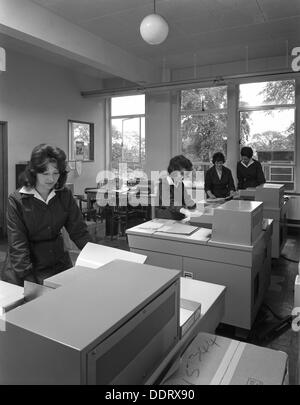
(267, 107)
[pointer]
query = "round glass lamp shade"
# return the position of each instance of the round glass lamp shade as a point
(154, 29)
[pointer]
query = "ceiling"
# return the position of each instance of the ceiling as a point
(47, 56)
(202, 31)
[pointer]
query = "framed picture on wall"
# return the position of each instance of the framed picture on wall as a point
(81, 140)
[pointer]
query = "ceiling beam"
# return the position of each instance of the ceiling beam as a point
(29, 22)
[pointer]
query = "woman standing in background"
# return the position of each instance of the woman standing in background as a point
(249, 171)
(218, 179)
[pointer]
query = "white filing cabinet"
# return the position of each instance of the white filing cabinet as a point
(244, 270)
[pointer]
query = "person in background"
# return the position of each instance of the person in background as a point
(35, 216)
(218, 179)
(174, 201)
(249, 171)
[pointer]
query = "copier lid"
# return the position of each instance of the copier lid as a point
(271, 185)
(94, 305)
(239, 205)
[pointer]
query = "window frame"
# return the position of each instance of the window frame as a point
(200, 112)
(111, 117)
(272, 107)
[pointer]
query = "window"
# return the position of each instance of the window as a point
(267, 125)
(128, 131)
(81, 141)
(203, 124)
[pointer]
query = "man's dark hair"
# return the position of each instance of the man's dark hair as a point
(179, 163)
(41, 156)
(247, 151)
(218, 157)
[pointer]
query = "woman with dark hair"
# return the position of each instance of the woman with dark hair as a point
(173, 197)
(249, 171)
(36, 214)
(218, 179)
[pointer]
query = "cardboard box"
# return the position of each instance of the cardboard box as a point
(215, 360)
(238, 222)
(272, 195)
(190, 311)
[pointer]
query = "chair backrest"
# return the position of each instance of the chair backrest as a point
(90, 188)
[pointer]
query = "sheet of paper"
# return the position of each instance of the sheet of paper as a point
(94, 256)
(178, 228)
(218, 200)
(151, 225)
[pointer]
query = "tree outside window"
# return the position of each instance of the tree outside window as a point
(128, 131)
(203, 124)
(267, 125)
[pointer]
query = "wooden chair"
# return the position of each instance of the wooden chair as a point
(89, 213)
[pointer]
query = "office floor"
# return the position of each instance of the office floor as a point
(278, 302)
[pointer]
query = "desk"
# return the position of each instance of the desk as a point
(244, 270)
(117, 196)
(119, 204)
(212, 298)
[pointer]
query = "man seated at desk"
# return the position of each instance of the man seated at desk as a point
(173, 198)
(249, 171)
(218, 179)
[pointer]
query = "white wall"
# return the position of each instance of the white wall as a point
(158, 131)
(36, 100)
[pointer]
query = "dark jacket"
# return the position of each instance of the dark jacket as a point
(171, 199)
(35, 243)
(250, 176)
(219, 187)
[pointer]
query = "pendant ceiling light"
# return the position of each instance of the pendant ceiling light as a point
(154, 29)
